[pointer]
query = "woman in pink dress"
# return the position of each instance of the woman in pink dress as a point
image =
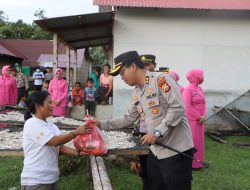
(194, 99)
(177, 78)
(8, 87)
(58, 88)
(106, 85)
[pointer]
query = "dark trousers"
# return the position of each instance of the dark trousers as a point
(90, 106)
(38, 87)
(143, 174)
(21, 92)
(173, 173)
(102, 91)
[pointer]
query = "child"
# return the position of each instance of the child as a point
(45, 86)
(77, 94)
(22, 102)
(90, 97)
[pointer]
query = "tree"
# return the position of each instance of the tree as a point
(97, 56)
(3, 18)
(39, 33)
(21, 30)
(16, 30)
(40, 13)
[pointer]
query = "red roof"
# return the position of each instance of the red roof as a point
(29, 50)
(186, 4)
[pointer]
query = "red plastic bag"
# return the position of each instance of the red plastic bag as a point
(92, 143)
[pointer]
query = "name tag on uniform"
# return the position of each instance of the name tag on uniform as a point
(151, 96)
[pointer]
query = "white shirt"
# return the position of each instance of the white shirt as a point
(38, 75)
(40, 160)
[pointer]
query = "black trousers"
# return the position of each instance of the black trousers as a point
(143, 174)
(90, 106)
(38, 87)
(173, 173)
(21, 92)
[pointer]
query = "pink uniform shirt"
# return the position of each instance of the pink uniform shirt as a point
(8, 88)
(194, 99)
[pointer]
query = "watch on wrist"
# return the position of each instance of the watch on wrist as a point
(157, 133)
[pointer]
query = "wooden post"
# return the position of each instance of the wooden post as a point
(103, 174)
(68, 64)
(55, 53)
(100, 177)
(75, 68)
(95, 173)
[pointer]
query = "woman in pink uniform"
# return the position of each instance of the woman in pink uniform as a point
(58, 88)
(177, 78)
(8, 87)
(194, 99)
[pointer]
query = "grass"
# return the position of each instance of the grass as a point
(229, 170)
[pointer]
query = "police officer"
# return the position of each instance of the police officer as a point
(157, 101)
(149, 62)
(150, 65)
(164, 70)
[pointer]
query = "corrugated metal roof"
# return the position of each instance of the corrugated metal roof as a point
(30, 50)
(186, 4)
(4, 51)
(80, 31)
(62, 59)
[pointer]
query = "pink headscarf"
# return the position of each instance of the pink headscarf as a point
(59, 70)
(195, 76)
(4, 71)
(174, 75)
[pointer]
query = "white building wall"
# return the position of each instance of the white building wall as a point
(216, 41)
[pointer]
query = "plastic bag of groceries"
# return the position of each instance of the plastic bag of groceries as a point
(93, 143)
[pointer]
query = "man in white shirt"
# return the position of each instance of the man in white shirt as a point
(38, 82)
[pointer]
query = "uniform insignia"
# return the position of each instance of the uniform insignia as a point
(151, 104)
(155, 111)
(162, 83)
(151, 96)
(150, 90)
(135, 98)
(147, 79)
(139, 109)
(142, 115)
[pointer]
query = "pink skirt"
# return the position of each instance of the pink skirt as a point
(198, 138)
(59, 111)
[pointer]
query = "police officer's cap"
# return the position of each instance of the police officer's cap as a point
(148, 59)
(164, 69)
(125, 59)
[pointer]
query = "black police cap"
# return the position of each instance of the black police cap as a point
(148, 58)
(124, 59)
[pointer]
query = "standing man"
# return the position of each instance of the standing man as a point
(157, 101)
(38, 76)
(22, 83)
(150, 65)
(49, 75)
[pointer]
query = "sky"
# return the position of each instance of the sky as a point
(25, 9)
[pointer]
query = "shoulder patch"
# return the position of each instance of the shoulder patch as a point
(164, 86)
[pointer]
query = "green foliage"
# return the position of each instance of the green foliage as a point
(98, 56)
(21, 30)
(40, 13)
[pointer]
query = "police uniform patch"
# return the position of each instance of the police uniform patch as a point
(155, 111)
(151, 104)
(147, 79)
(162, 83)
(150, 90)
(135, 98)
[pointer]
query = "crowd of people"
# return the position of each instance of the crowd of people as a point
(164, 111)
(98, 89)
